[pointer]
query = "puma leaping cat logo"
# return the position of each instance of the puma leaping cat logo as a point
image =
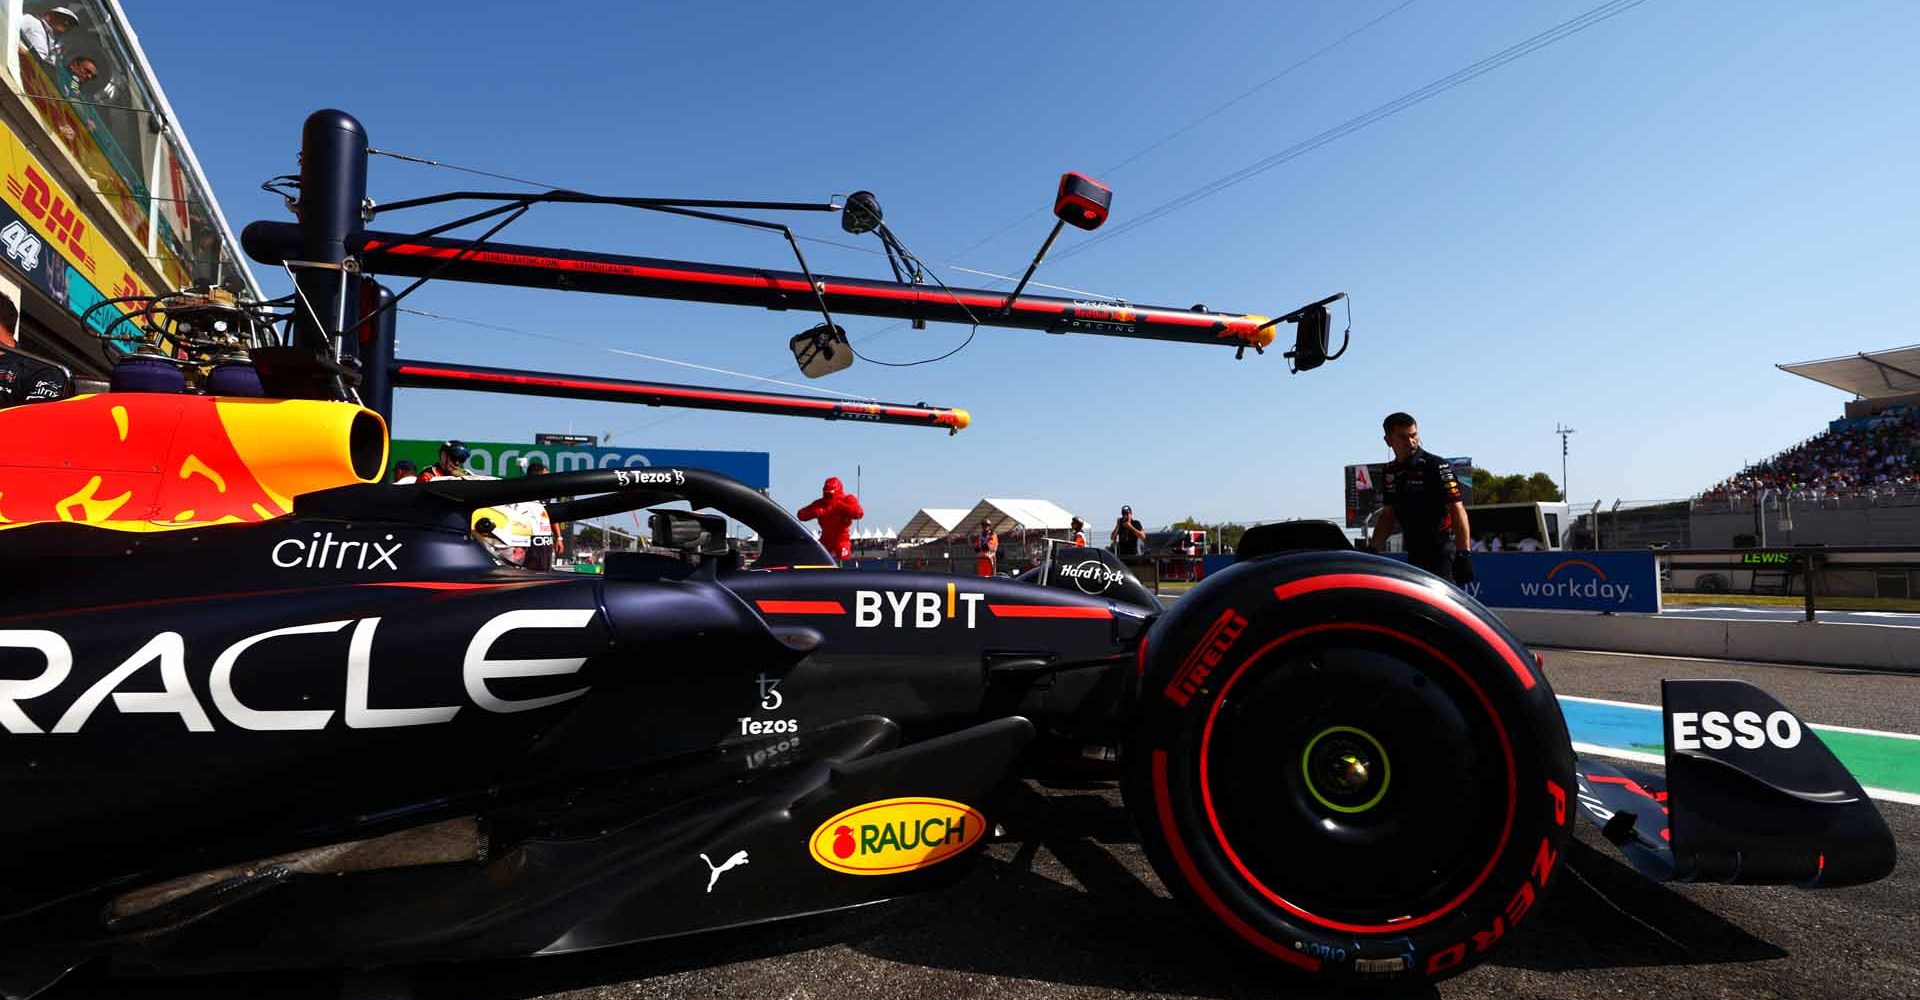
(739, 858)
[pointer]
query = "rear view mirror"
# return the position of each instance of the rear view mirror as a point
(686, 531)
(1310, 338)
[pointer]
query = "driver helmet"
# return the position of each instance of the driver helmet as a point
(491, 527)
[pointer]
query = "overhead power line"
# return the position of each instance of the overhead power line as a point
(1202, 119)
(623, 352)
(1563, 30)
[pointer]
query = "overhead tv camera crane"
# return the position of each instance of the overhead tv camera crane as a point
(344, 318)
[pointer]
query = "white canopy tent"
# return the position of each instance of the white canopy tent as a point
(1012, 514)
(929, 523)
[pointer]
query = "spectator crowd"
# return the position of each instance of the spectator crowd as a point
(1859, 457)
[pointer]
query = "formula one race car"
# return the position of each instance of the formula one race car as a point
(262, 712)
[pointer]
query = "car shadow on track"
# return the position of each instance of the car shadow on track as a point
(1604, 915)
(1067, 899)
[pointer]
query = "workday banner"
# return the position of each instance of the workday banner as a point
(1567, 581)
(496, 458)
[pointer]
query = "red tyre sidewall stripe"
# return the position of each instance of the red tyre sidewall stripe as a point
(1423, 594)
(1506, 750)
(1163, 803)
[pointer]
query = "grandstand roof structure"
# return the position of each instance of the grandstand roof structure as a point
(1869, 375)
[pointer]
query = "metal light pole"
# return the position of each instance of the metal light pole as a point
(1565, 494)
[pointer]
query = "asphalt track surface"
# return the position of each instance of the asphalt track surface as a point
(1069, 908)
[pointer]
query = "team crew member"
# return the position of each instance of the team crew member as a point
(28, 379)
(1079, 533)
(452, 464)
(542, 547)
(836, 510)
(538, 467)
(1424, 500)
(986, 548)
(404, 472)
(1127, 536)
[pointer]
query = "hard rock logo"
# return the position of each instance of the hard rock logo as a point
(1091, 576)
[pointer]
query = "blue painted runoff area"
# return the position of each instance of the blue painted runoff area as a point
(1615, 726)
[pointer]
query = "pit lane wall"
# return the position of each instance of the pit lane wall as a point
(1617, 582)
(1558, 599)
(1840, 644)
(1610, 601)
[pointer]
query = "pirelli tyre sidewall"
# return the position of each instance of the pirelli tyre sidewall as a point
(1349, 766)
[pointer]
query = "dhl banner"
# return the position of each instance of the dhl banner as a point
(44, 235)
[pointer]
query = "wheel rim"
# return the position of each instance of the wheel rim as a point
(1345, 769)
(1403, 793)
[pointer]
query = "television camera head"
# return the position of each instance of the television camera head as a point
(1312, 325)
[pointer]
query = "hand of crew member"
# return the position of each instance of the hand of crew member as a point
(1462, 568)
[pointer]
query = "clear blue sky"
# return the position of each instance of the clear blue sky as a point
(1623, 232)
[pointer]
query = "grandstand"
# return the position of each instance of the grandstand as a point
(1871, 452)
(1855, 483)
(1854, 457)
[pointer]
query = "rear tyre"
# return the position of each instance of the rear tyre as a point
(1349, 766)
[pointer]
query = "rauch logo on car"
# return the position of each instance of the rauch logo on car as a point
(896, 835)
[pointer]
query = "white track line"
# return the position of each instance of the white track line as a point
(1604, 701)
(1879, 671)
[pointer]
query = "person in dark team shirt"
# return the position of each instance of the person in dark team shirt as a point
(1424, 501)
(25, 378)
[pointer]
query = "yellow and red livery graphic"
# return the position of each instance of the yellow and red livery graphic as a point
(891, 836)
(155, 462)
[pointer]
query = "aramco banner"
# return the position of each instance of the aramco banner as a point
(498, 458)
